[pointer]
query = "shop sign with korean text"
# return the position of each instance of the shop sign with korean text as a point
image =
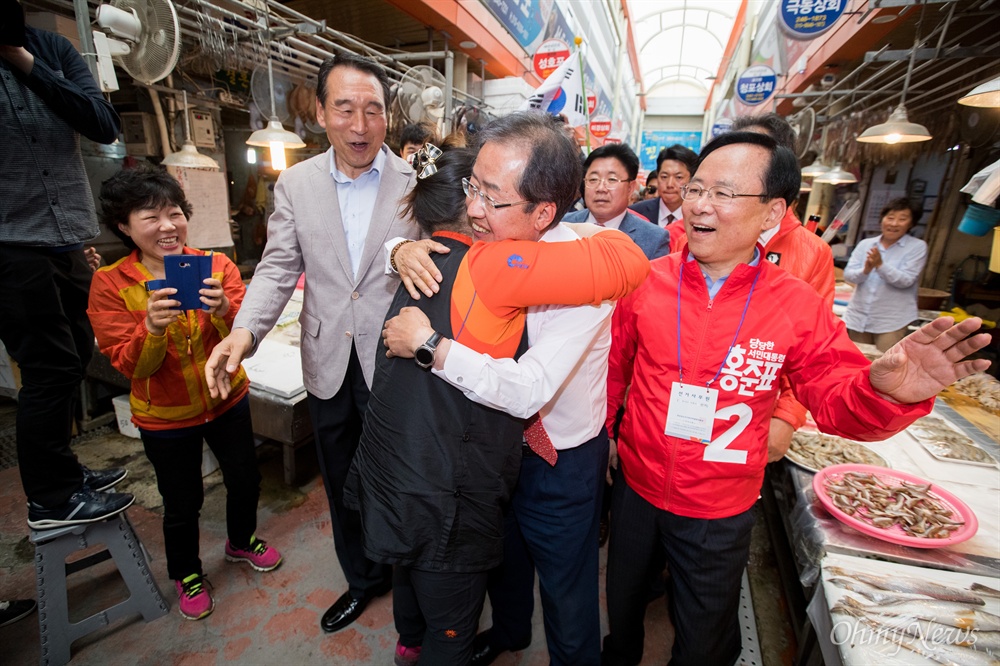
(756, 85)
(550, 54)
(600, 126)
(806, 19)
(721, 126)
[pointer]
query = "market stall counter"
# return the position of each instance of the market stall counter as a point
(814, 537)
(885, 613)
(277, 394)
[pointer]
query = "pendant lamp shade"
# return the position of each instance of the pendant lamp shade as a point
(275, 133)
(188, 156)
(897, 129)
(836, 176)
(817, 168)
(985, 95)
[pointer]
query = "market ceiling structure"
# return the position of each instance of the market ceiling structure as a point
(681, 44)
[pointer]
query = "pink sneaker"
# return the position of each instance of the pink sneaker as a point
(195, 600)
(406, 656)
(259, 555)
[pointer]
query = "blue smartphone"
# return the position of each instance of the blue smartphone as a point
(187, 274)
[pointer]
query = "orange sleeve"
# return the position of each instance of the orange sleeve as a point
(787, 408)
(228, 274)
(511, 275)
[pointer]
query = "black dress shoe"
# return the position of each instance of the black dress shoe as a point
(484, 652)
(343, 612)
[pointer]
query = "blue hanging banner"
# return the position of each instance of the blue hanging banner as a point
(756, 85)
(653, 141)
(806, 19)
(522, 18)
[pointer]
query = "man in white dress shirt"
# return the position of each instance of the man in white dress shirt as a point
(553, 520)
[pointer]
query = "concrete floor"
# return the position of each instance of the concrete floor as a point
(272, 617)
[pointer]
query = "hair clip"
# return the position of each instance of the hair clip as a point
(423, 160)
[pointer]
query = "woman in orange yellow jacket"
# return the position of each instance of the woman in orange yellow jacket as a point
(163, 351)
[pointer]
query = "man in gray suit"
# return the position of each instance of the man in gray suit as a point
(332, 213)
(609, 173)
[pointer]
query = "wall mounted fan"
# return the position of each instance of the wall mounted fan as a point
(141, 36)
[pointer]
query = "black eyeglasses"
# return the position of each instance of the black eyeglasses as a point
(471, 191)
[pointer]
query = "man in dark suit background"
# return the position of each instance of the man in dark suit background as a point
(609, 173)
(674, 166)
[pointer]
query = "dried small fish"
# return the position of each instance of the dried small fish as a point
(816, 451)
(911, 586)
(984, 589)
(870, 593)
(945, 442)
(981, 387)
(907, 505)
(952, 613)
(928, 630)
(943, 653)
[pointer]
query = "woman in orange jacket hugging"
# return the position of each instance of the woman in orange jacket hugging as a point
(163, 351)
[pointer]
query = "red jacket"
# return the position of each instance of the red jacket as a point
(804, 255)
(788, 331)
(167, 371)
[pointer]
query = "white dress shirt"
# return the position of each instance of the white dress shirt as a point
(357, 201)
(885, 299)
(613, 223)
(664, 211)
(563, 376)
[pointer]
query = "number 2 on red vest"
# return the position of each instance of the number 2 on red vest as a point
(717, 450)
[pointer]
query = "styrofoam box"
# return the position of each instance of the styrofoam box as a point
(123, 414)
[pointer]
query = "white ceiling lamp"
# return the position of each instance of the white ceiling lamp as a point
(274, 136)
(836, 176)
(984, 95)
(898, 128)
(188, 156)
(817, 168)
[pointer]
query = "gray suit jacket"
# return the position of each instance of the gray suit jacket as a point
(653, 240)
(306, 233)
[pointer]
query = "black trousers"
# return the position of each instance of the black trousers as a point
(337, 425)
(176, 456)
(706, 558)
(438, 610)
(44, 326)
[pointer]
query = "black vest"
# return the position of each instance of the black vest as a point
(434, 469)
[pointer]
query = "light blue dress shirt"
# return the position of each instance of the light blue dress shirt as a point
(357, 201)
(885, 299)
(715, 285)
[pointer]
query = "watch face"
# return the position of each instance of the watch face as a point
(423, 356)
